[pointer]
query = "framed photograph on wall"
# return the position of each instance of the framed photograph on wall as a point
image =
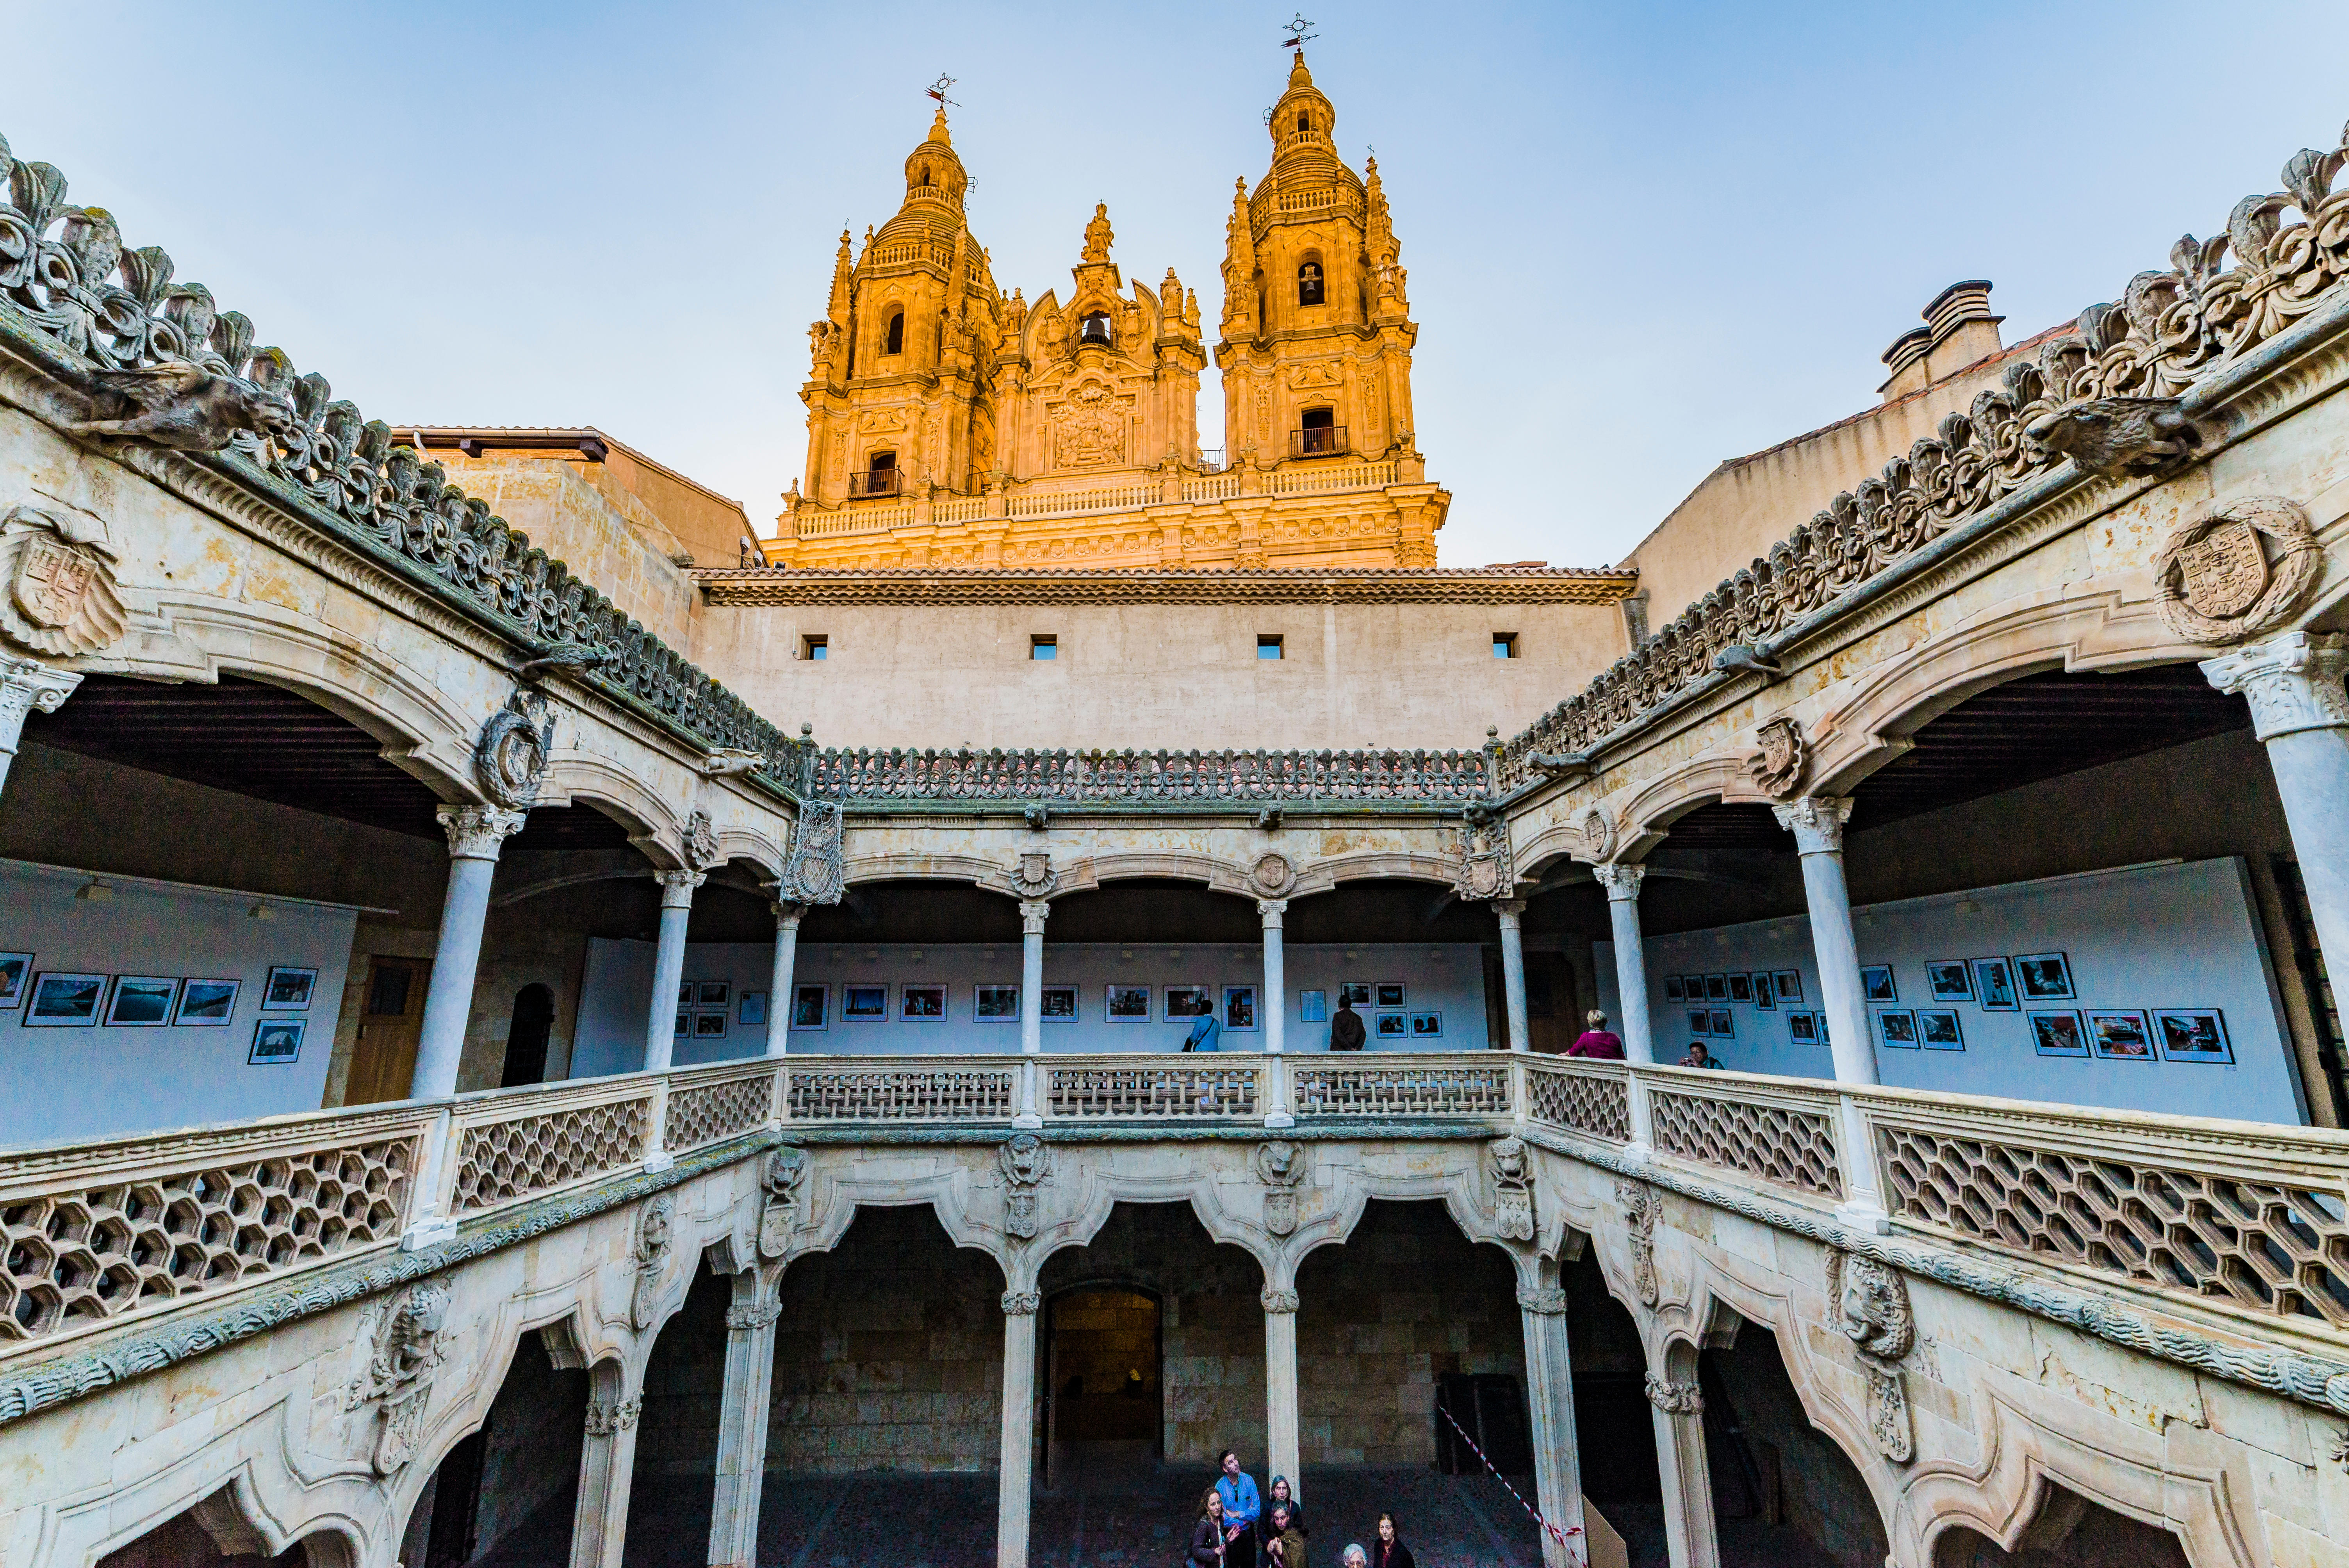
(1787, 984)
(2192, 1035)
(1357, 992)
(1764, 997)
(2045, 976)
(1700, 1020)
(1949, 980)
(207, 1003)
(684, 1029)
(924, 1005)
(685, 993)
(750, 1009)
(276, 1042)
(1313, 1006)
(995, 1005)
(709, 1024)
(288, 989)
(65, 1001)
(1189, 1002)
(1724, 1023)
(1059, 1004)
(142, 1002)
(14, 968)
(1994, 984)
(1897, 1030)
(1239, 1007)
(1716, 987)
(812, 1008)
(1741, 988)
(1391, 1025)
(1427, 1026)
(711, 993)
(1803, 1029)
(864, 1004)
(1937, 1030)
(1389, 994)
(1876, 984)
(2120, 1036)
(1127, 1004)
(2058, 1034)
(1674, 991)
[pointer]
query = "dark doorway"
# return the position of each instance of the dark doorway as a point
(1486, 1410)
(457, 1504)
(1103, 1359)
(534, 1021)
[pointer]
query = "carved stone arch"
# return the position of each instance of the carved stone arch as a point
(1220, 875)
(2032, 1437)
(1649, 812)
(1100, 1188)
(575, 778)
(835, 1188)
(1442, 869)
(763, 849)
(917, 867)
(239, 1523)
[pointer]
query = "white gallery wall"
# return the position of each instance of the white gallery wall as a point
(1441, 987)
(64, 1079)
(2180, 937)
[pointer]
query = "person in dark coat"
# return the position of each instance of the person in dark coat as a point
(1280, 1496)
(1284, 1543)
(1346, 1028)
(1390, 1551)
(1207, 1535)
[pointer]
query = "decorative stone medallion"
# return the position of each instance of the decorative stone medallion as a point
(510, 757)
(1513, 1189)
(700, 839)
(61, 595)
(2236, 569)
(1034, 877)
(1272, 875)
(652, 1257)
(1280, 1165)
(397, 1377)
(782, 1176)
(1599, 834)
(816, 871)
(1777, 767)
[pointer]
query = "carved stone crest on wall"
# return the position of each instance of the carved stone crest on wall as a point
(1484, 870)
(1640, 1204)
(782, 1176)
(1280, 1165)
(60, 596)
(701, 840)
(1599, 834)
(1027, 1165)
(817, 871)
(510, 757)
(1273, 875)
(1870, 1303)
(1777, 767)
(1088, 430)
(1034, 876)
(652, 1257)
(2236, 569)
(1512, 1190)
(399, 1373)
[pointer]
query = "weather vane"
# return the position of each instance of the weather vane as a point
(1296, 34)
(937, 89)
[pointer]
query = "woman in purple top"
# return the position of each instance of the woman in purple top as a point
(1595, 1040)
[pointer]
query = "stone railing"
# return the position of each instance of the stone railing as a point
(1579, 1097)
(1161, 1089)
(942, 1089)
(1336, 477)
(1783, 1134)
(1164, 778)
(2222, 296)
(1402, 1084)
(84, 302)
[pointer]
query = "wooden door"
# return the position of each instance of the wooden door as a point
(391, 1021)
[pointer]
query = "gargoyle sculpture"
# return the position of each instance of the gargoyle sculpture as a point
(2118, 435)
(185, 406)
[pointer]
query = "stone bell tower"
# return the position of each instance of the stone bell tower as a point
(1316, 329)
(898, 393)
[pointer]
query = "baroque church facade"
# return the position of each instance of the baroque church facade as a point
(582, 1028)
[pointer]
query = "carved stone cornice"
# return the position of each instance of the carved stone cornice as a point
(1817, 822)
(2293, 682)
(1298, 585)
(477, 833)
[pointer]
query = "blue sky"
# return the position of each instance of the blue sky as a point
(1641, 239)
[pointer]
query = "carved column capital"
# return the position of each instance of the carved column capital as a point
(1033, 913)
(1817, 822)
(1674, 1399)
(26, 685)
(1021, 1302)
(763, 1315)
(788, 915)
(2293, 682)
(476, 832)
(1271, 911)
(604, 1417)
(1279, 1300)
(1620, 879)
(1547, 1302)
(1508, 910)
(677, 887)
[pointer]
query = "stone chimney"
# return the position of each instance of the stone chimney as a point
(1959, 330)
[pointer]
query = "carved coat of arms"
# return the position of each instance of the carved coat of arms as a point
(1777, 767)
(510, 757)
(785, 1171)
(1027, 1165)
(1512, 1190)
(397, 1377)
(1280, 1165)
(2236, 571)
(816, 871)
(1035, 877)
(1089, 432)
(60, 596)
(1484, 871)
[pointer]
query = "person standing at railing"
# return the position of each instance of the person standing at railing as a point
(1346, 1031)
(1698, 1056)
(1205, 1034)
(1597, 1041)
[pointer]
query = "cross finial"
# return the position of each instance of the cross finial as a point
(1298, 34)
(937, 89)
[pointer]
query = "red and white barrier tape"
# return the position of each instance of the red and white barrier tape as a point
(1555, 1532)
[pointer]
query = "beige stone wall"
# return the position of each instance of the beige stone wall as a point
(1140, 676)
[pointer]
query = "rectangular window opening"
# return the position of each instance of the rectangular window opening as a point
(1044, 645)
(1504, 644)
(815, 647)
(1268, 647)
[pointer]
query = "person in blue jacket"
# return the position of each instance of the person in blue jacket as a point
(1237, 1488)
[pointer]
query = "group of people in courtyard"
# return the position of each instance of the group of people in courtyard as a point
(1240, 1528)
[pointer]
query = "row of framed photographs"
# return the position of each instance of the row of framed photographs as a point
(861, 1002)
(2108, 1034)
(1721, 1024)
(56, 999)
(1998, 983)
(1768, 989)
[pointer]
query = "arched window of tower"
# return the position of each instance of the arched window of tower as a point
(1309, 281)
(1304, 120)
(893, 337)
(1094, 329)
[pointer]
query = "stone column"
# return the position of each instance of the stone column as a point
(1689, 1540)
(607, 1464)
(475, 833)
(1033, 913)
(26, 685)
(779, 989)
(1018, 1428)
(1817, 822)
(2300, 713)
(742, 1420)
(1509, 911)
(1272, 1011)
(1622, 885)
(1281, 1447)
(1549, 1388)
(668, 965)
